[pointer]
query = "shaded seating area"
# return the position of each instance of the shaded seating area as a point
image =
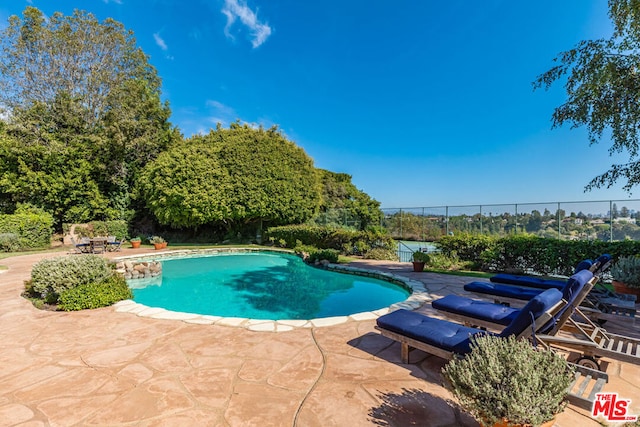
(96, 245)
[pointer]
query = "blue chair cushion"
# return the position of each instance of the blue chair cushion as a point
(502, 290)
(439, 333)
(482, 310)
(534, 309)
(531, 282)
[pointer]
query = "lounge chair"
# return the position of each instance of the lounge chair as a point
(593, 342)
(598, 304)
(446, 339)
(490, 315)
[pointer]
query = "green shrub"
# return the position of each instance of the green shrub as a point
(508, 379)
(529, 252)
(95, 295)
(381, 254)
(419, 256)
(440, 261)
(9, 242)
(34, 226)
(51, 277)
(627, 270)
(330, 255)
(350, 241)
(118, 228)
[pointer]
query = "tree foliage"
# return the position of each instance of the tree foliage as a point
(603, 91)
(84, 115)
(238, 175)
(338, 192)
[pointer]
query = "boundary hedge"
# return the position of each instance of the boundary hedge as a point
(528, 252)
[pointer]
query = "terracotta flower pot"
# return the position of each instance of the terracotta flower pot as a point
(158, 246)
(622, 288)
(135, 244)
(418, 266)
(164, 244)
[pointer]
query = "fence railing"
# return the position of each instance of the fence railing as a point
(609, 220)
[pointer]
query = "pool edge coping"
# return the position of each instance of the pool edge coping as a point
(419, 296)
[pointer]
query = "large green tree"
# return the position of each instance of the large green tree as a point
(236, 176)
(602, 82)
(80, 93)
(342, 200)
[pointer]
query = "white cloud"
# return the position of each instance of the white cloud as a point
(159, 41)
(234, 9)
(220, 113)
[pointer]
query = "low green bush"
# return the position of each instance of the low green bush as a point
(440, 261)
(381, 254)
(330, 255)
(95, 295)
(349, 241)
(118, 228)
(51, 277)
(508, 379)
(9, 242)
(34, 226)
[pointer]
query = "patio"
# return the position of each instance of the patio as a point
(104, 367)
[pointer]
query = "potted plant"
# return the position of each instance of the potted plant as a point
(158, 242)
(135, 242)
(508, 382)
(419, 260)
(626, 275)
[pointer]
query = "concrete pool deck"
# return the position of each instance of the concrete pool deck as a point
(108, 368)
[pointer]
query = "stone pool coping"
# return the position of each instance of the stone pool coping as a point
(419, 296)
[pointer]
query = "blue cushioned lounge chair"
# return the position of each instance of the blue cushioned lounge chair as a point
(447, 339)
(444, 338)
(600, 304)
(491, 315)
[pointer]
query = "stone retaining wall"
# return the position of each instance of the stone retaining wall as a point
(139, 269)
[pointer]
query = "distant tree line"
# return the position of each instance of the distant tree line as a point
(578, 226)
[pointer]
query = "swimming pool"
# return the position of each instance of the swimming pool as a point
(263, 285)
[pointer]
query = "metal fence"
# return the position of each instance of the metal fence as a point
(416, 228)
(609, 220)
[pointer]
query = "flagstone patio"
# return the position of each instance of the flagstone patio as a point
(115, 368)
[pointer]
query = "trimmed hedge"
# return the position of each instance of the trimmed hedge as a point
(33, 226)
(118, 228)
(346, 241)
(95, 295)
(528, 252)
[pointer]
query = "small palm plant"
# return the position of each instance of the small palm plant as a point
(508, 380)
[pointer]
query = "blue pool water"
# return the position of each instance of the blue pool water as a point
(263, 286)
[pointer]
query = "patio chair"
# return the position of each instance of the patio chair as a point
(597, 304)
(80, 248)
(115, 245)
(600, 297)
(490, 315)
(447, 339)
(98, 246)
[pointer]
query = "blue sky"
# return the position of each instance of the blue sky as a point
(424, 103)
